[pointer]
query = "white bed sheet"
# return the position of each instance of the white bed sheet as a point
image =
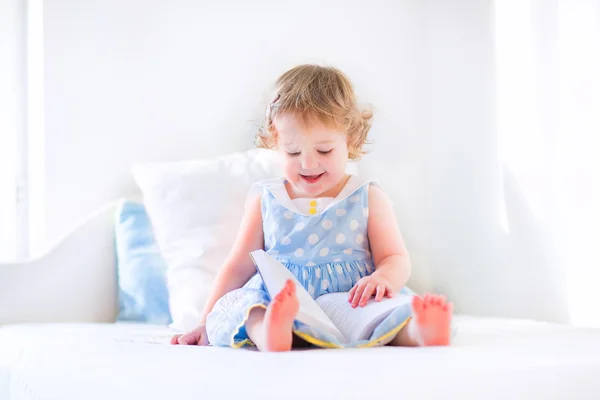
(490, 359)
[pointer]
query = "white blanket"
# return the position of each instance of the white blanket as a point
(490, 359)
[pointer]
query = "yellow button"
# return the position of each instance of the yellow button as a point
(312, 211)
(313, 203)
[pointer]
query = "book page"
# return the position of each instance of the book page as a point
(360, 322)
(274, 275)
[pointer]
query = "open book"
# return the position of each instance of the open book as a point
(330, 312)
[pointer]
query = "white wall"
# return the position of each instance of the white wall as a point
(141, 80)
(12, 121)
(153, 80)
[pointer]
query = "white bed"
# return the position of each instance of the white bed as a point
(57, 342)
(491, 359)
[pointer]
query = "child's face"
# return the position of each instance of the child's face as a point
(314, 156)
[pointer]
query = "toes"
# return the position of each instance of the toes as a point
(288, 291)
(430, 302)
(434, 300)
(289, 287)
(292, 287)
(442, 300)
(280, 296)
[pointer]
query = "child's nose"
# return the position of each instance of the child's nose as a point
(309, 162)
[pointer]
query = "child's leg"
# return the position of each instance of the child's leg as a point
(271, 329)
(430, 324)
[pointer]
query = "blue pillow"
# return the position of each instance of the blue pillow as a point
(143, 294)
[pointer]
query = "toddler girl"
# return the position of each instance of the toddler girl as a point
(333, 231)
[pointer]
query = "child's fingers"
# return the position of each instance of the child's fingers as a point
(380, 292)
(367, 294)
(175, 339)
(357, 295)
(351, 293)
(186, 340)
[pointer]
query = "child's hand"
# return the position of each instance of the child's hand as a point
(368, 286)
(196, 336)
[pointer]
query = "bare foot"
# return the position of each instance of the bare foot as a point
(430, 324)
(279, 319)
(431, 316)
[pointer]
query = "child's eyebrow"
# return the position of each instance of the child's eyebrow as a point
(325, 141)
(290, 143)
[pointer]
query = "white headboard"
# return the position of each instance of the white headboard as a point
(138, 80)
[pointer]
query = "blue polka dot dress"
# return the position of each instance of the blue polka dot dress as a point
(327, 250)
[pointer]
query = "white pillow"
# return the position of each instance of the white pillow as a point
(196, 207)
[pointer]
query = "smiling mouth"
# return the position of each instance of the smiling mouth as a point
(312, 178)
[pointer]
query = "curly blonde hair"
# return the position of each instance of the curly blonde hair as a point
(325, 93)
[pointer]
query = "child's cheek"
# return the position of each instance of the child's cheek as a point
(290, 168)
(335, 165)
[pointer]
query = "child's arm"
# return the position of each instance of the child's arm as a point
(238, 267)
(391, 259)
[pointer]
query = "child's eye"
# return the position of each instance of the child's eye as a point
(293, 154)
(325, 152)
